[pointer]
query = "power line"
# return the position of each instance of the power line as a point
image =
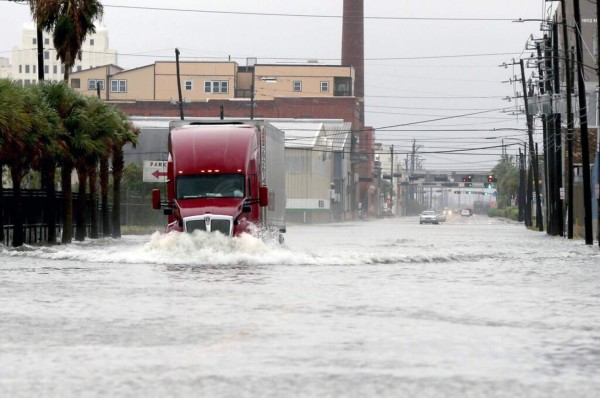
(267, 14)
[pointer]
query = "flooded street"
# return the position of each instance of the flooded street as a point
(474, 307)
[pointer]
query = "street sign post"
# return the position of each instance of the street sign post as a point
(155, 171)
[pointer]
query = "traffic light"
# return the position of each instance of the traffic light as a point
(467, 178)
(491, 178)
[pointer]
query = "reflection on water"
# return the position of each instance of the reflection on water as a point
(381, 308)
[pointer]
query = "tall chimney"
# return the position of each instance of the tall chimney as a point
(353, 47)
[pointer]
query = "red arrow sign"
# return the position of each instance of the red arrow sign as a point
(158, 174)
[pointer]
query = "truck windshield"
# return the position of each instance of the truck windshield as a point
(210, 186)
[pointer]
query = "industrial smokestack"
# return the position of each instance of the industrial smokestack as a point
(353, 46)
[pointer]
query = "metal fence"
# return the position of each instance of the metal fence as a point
(35, 206)
(135, 211)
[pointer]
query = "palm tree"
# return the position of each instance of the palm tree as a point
(107, 122)
(70, 21)
(15, 124)
(46, 151)
(102, 125)
(74, 138)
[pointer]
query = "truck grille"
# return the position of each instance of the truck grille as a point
(210, 223)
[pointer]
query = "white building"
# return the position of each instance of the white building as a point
(23, 68)
(4, 67)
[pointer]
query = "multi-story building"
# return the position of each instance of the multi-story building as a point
(205, 81)
(24, 60)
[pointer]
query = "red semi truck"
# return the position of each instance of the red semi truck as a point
(226, 176)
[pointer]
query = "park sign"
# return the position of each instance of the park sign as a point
(155, 171)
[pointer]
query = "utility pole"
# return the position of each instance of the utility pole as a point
(570, 127)
(252, 95)
(598, 120)
(583, 129)
(545, 88)
(532, 156)
(392, 203)
(521, 200)
(179, 84)
(570, 138)
(557, 210)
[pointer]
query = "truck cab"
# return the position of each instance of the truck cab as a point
(217, 176)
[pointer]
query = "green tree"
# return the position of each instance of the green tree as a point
(105, 122)
(507, 180)
(46, 150)
(15, 140)
(74, 138)
(69, 21)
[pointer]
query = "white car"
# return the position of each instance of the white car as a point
(465, 213)
(428, 217)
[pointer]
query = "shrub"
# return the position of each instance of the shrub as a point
(507, 212)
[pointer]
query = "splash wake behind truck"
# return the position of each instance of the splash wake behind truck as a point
(226, 176)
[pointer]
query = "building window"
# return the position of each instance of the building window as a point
(94, 84)
(27, 82)
(324, 87)
(189, 85)
(118, 86)
(91, 42)
(75, 83)
(26, 68)
(34, 68)
(297, 85)
(46, 54)
(342, 86)
(216, 86)
(46, 41)
(78, 68)
(20, 68)
(46, 69)
(55, 69)
(62, 69)
(34, 41)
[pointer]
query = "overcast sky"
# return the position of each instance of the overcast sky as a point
(424, 59)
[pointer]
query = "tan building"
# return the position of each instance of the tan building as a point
(302, 81)
(204, 81)
(90, 80)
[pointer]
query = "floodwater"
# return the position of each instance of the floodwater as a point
(474, 307)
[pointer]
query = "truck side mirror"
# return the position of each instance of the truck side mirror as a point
(263, 196)
(156, 199)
